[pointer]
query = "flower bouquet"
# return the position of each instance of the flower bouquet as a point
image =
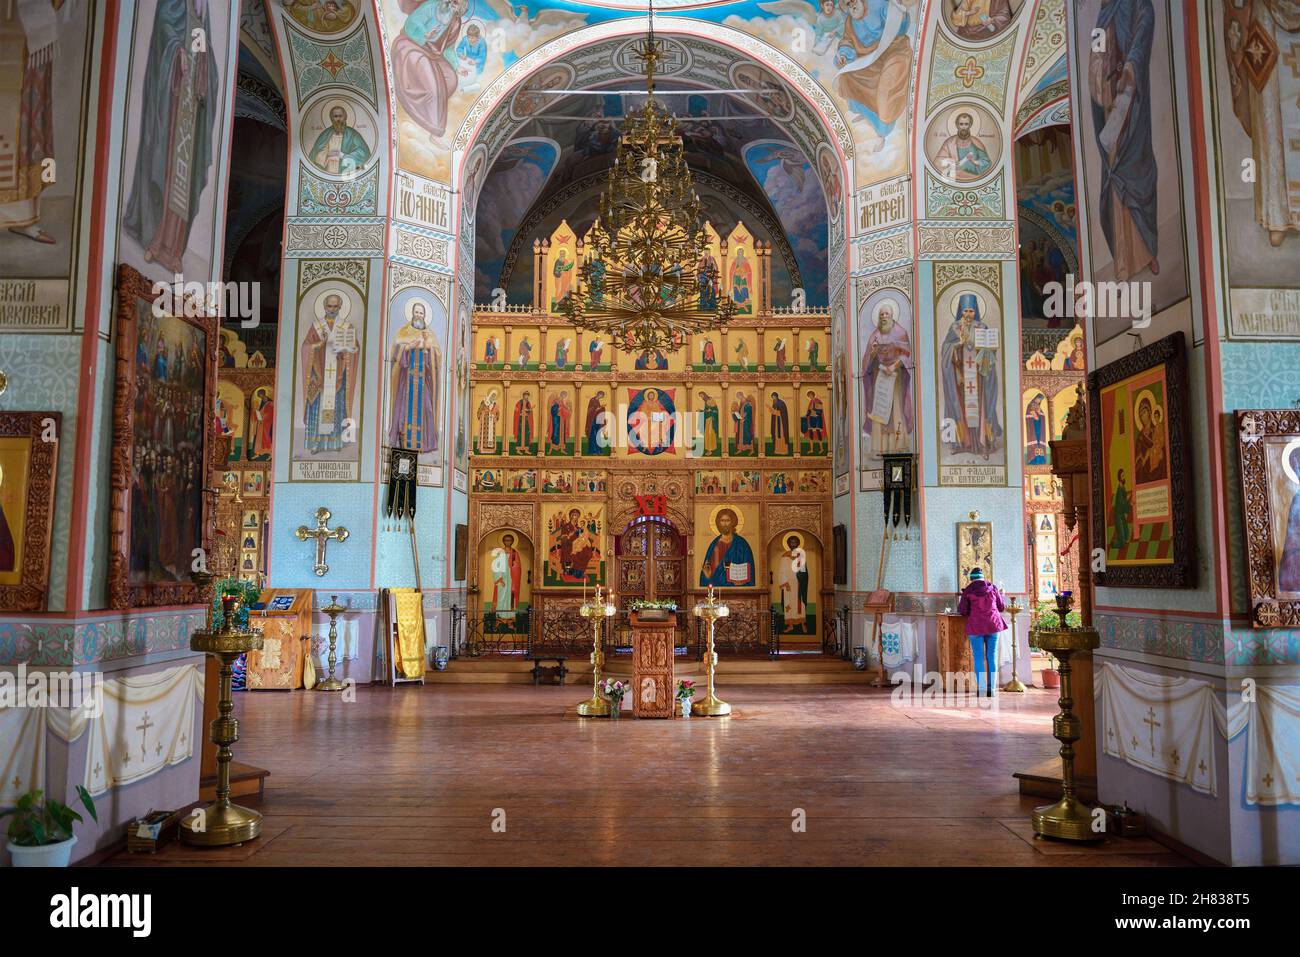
(614, 691)
(685, 692)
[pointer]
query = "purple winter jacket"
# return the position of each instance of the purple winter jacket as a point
(982, 606)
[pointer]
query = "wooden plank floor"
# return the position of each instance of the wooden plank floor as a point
(414, 775)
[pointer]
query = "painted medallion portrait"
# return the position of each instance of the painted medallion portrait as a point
(963, 143)
(977, 20)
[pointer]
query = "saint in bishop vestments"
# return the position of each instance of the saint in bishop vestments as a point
(417, 378)
(329, 372)
(970, 381)
(489, 418)
(180, 93)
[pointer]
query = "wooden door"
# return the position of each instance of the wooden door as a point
(651, 561)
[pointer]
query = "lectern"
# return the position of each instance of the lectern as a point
(654, 631)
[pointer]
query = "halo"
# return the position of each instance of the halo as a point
(349, 113)
(344, 310)
(410, 308)
(786, 536)
(969, 109)
(1287, 451)
(713, 516)
(1145, 394)
(955, 297)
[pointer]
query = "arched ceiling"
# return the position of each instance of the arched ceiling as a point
(746, 169)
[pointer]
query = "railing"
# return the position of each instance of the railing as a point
(837, 632)
(564, 633)
(474, 636)
(743, 632)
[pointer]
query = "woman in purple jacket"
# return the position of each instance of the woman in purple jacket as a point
(982, 606)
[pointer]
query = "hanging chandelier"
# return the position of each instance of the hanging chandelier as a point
(649, 281)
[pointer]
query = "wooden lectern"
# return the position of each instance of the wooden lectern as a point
(653, 640)
(285, 621)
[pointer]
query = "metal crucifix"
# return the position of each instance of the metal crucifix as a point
(322, 533)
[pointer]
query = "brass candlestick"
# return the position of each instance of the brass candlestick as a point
(1015, 684)
(333, 609)
(597, 610)
(222, 823)
(1069, 818)
(711, 610)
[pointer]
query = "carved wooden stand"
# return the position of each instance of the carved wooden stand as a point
(652, 664)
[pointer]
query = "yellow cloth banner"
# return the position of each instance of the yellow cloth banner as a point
(408, 650)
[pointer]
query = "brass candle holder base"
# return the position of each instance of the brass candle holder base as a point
(222, 822)
(329, 684)
(597, 707)
(1069, 819)
(711, 707)
(222, 825)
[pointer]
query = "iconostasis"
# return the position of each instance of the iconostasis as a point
(657, 473)
(1050, 387)
(244, 418)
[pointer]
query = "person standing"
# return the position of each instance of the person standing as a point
(982, 606)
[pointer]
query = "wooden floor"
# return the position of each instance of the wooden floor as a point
(414, 776)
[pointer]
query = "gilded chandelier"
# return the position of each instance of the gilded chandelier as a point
(648, 279)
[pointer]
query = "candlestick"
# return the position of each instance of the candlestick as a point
(597, 610)
(1015, 684)
(711, 610)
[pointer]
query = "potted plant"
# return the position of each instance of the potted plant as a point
(247, 593)
(685, 692)
(614, 691)
(40, 834)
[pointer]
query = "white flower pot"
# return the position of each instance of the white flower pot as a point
(47, 855)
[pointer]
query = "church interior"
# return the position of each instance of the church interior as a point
(705, 432)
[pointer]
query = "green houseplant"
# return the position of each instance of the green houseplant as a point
(40, 834)
(248, 594)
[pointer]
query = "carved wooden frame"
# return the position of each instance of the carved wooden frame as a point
(132, 288)
(31, 591)
(1253, 426)
(1171, 352)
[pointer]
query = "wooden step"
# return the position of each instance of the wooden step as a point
(792, 669)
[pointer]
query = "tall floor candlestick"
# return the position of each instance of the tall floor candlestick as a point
(711, 610)
(1015, 684)
(333, 609)
(222, 822)
(597, 610)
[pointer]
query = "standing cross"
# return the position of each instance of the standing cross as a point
(1151, 722)
(322, 533)
(143, 727)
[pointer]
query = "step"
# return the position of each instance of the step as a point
(811, 669)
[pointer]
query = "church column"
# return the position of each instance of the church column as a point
(63, 358)
(366, 312)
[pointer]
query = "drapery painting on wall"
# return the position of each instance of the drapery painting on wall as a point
(327, 383)
(44, 78)
(1142, 513)
(1268, 448)
(1256, 106)
(28, 461)
(164, 395)
(174, 109)
(1131, 172)
(575, 553)
(972, 400)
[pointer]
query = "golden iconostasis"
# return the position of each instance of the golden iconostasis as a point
(659, 473)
